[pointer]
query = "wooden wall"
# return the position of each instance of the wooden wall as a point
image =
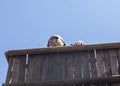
(94, 67)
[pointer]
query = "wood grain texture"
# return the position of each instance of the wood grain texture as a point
(107, 63)
(85, 66)
(118, 52)
(93, 64)
(69, 66)
(61, 66)
(52, 67)
(77, 65)
(107, 66)
(100, 63)
(37, 68)
(61, 49)
(29, 75)
(45, 64)
(101, 81)
(89, 64)
(18, 73)
(113, 62)
(10, 70)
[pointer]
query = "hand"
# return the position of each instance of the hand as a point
(78, 43)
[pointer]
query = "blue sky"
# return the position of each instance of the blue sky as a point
(30, 23)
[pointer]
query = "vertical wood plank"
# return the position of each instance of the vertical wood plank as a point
(52, 67)
(85, 63)
(100, 63)
(77, 66)
(61, 66)
(100, 66)
(10, 69)
(107, 66)
(45, 68)
(92, 57)
(45, 64)
(37, 68)
(93, 64)
(118, 52)
(85, 66)
(29, 76)
(69, 66)
(113, 62)
(18, 74)
(107, 63)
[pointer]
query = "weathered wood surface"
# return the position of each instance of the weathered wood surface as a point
(92, 55)
(10, 69)
(78, 74)
(62, 49)
(114, 62)
(119, 60)
(69, 66)
(101, 81)
(16, 70)
(34, 68)
(85, 66)
(18, 74)
(52, 67)
(61, 66)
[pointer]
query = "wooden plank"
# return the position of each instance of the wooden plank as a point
(69, 66)
(10, 69)
(100, 63)
(52, 67)
(104, 64)
(113, 62)
(100, 66)
(107, 63)
(45, 64)
(107, 66)
(85, 66)
(93, 70)
(77, 66)
(18, 74)
(61, 66)
(115, 80)
(61, 49)
(29, 76)
(118, 52)
(93, 64)
(37, 68)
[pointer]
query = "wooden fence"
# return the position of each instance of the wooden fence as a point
(88, 65)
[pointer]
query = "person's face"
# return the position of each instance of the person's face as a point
(52, 41)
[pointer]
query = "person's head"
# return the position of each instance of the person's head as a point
(56, 40)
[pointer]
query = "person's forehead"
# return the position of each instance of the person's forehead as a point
(54, 38)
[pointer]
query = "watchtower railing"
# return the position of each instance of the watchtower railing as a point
(88, 65)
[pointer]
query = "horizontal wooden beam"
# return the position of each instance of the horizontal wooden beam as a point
(61, 49)
(110, 80)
